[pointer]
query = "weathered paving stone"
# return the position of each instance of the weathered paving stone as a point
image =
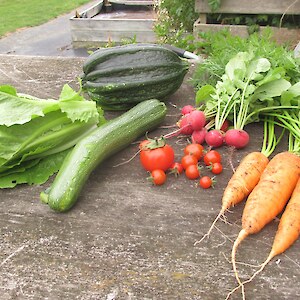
(126, 239)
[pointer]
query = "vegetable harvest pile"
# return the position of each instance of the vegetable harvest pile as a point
(39, 138)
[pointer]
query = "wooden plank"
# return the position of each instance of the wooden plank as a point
(297, 50)
(203, 18)
(93, 35)
(281, 35)
(91, 11)
(135, 14)
(106, 35)
(252, 7)
(133, 2)
(117, 25)
(240, 30)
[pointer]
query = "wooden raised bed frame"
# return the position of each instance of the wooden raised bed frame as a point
(279, 7)
(94, 26)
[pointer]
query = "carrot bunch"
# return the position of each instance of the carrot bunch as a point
(267, 200)
(270, 187)
(248, 173)
(277, 191)
(287, 233)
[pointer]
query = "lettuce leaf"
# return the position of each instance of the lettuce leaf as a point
(21, 108)
(32, 128)
(36, 171)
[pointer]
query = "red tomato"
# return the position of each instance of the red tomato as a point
(188, 160)
(161, 157)
(194, 149)
(158, 177)
(176, 168)
(192, 172)
(211, 157)
(205, 182)
(217, 168)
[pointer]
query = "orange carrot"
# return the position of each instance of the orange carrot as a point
(241, 183)
(289, 225)
(287, 233)
(268, 198)
(244, 179)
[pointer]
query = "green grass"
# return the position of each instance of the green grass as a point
(27, 13)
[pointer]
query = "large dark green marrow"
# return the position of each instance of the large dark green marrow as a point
(119, 77)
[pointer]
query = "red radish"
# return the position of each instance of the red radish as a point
(238, 138)
(214, 138)
(187, 109)
(198, 136)
(197, 119)
(185, 127)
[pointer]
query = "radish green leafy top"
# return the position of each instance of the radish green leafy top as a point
(219, 47)
(249, 85)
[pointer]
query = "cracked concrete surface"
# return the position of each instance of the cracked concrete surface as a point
(126, 239)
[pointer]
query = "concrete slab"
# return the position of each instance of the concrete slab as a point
(126, 239)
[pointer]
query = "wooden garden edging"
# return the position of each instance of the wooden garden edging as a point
(278, 7)
(125, 20)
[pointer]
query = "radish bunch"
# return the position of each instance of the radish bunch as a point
(195, 124)
(237, 138)
(249, 87)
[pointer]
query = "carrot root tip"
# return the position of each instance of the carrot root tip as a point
(241, 285)
(242, 235)
(211, 227)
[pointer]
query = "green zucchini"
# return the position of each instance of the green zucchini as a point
(100, 144)
(122, 76)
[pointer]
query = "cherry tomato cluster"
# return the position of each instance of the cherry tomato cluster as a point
(193, 154)
(158, 158)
